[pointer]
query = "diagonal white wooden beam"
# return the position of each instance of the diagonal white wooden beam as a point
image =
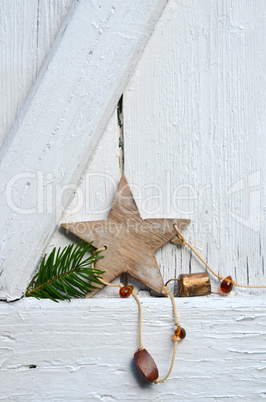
(51, 143)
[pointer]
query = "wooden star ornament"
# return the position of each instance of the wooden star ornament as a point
(130, 241)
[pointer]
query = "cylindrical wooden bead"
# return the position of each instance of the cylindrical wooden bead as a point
(194, 284)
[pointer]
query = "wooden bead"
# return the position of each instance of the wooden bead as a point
(146, 366)
(226, 285)
(126, 291)
(194, 284)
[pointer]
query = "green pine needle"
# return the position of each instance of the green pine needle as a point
(66, 273)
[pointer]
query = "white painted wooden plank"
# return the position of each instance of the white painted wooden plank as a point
(66, 113)
(28, 29)
(102, 175)
(93, 198)
(194, 134)
(51, 15)
(18, 24)
(83, 350)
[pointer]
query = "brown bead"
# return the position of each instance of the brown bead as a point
(226, 285)
(179, 333)
(126, 291)
(146, 366)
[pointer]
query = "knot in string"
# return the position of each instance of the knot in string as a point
(179, 237)
(165, 290)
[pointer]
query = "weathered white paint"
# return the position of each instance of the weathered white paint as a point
(94, 197)
(63, 119)
(18, 22)
(28, 30)
(195, 134)
(83, 350)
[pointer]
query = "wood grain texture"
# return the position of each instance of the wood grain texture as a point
(93, 196)
(66, 115)
(194, 134)
(83, 350)
(130, 241)
(28, 30)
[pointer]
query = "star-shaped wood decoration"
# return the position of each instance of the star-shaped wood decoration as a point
(130, 241)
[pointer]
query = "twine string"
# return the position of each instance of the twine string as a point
(140, 319)
(183, 242)
(165, 291)
(180, 239)
(171, 367)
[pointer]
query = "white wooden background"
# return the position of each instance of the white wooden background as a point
(193, 146)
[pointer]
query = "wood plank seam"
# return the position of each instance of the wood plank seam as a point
(74, 126)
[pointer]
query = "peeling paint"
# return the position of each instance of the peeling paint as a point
(85, 356)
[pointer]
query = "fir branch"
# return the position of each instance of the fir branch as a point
(67, 273)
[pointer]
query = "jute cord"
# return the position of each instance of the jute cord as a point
(166, 292)
(182, 241)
